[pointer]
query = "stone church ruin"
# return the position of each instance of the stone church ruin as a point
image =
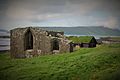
(34, 41)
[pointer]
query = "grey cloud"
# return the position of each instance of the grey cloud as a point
(4, 4)
(77, 12)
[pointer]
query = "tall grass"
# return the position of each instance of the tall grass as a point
(100, 63)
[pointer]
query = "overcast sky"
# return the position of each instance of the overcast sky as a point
(19, 13)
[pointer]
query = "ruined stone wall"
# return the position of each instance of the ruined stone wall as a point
(17, 43)
(55, 34)
(42, 43)
(64, 46)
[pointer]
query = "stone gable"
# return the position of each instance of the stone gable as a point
(30, 42)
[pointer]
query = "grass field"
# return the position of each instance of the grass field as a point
(100, 63)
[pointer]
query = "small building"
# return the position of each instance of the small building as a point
(88, 41)
(34, 41)
(83, 41)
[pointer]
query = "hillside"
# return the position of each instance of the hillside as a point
(95, 30)
(100, 63)
(80, 30)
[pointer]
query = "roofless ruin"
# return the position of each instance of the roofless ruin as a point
(29, 42)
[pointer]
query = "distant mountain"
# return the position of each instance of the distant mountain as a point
(96, 31)
(2, 30)
(79, 30)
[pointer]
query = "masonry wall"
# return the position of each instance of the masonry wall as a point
(55, 34)
(64, 46)
(17, 43)
(42, 43)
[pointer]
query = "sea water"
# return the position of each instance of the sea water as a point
(4, 44)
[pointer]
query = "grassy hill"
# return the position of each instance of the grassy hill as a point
(100, 63)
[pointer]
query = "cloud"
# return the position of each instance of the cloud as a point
(32, 11)
(112, 22)
(65, 12)
(109, 22)
(22, 14)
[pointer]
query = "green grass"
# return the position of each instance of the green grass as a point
(80, 39)
(100, 63)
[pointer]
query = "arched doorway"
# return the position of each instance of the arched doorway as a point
(55, 44)
(28, 40)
